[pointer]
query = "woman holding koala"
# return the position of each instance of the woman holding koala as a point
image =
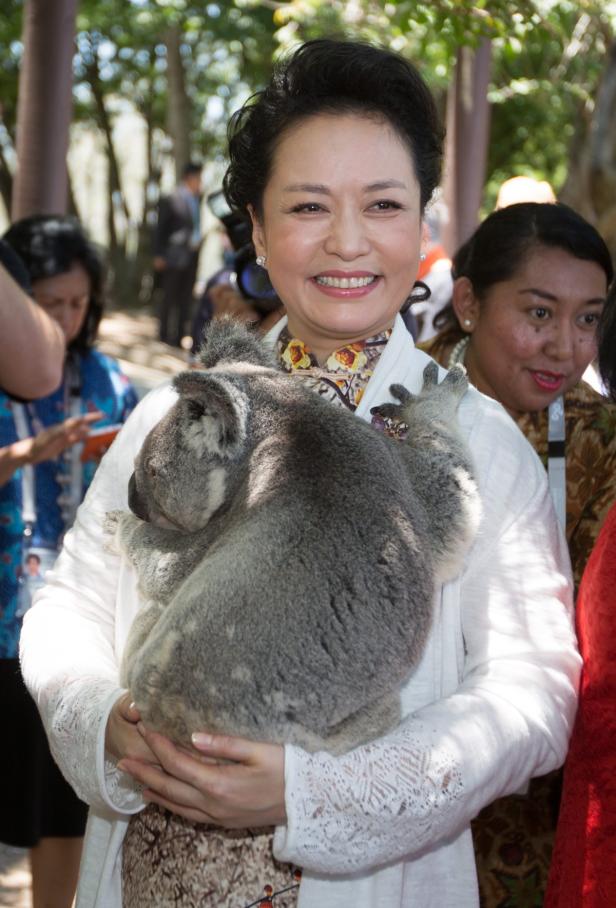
(491, 703)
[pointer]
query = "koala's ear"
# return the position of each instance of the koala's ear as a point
(225, 340)
(217, 411)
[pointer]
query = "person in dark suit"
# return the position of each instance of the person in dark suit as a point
(176, 253)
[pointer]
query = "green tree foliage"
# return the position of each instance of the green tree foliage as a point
(548, 56)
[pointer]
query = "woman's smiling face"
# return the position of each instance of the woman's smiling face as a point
(534, 334)
(340, 228)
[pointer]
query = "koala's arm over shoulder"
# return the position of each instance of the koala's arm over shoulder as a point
(439, 463)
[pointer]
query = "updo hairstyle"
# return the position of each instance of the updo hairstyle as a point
(506, 238)
(49, 245)
(332, 77)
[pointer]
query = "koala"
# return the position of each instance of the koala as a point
(287, 553)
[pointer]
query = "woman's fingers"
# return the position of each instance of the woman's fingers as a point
(122, 738)
(246, 789)
(225, 747)
(52, 441)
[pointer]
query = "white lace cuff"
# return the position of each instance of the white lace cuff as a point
(371, 806)
(118, 790)
(75, 714)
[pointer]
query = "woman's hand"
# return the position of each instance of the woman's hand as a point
(46, 445)
(246, 790)
(52, 441)
(122, 739)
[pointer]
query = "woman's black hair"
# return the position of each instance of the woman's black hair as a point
(51, 244)
(504, 240)
(329, 76)
(15, 267)
(607, 343)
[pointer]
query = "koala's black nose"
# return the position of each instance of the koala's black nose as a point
(134, 501)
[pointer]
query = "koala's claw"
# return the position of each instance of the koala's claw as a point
(401, 393)
(456, 378)
(111, 522)
(395, 411)
(111, 525)
(430, 375)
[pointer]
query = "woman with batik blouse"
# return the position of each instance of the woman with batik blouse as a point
(529, 287)
(333, 162)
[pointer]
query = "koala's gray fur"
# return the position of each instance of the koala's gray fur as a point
(287, 552)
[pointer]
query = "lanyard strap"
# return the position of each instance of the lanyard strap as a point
(556, 459)
(28, 502)
(71, 480)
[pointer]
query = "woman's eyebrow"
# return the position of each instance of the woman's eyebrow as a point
(324, 190)
(385, 184)
(307, 187)
(544, 294)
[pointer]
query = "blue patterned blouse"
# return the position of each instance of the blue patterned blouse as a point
(103, 387)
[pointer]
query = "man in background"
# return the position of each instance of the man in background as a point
(176, 254)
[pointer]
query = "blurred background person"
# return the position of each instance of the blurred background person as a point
(44, 481)
(241, 287)
(31, 344)
(529, 287)
(177, 240)
(523, 189)
(434, 272)
(583, 872)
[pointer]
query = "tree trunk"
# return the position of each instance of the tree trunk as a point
(142, 282)
(178, 106)
(468, 125)
(44, 108)
(6, 183)
(591, 182)
(115, 195)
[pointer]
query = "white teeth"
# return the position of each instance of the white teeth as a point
(345, 283)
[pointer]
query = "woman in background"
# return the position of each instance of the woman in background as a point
(583, 873)
(529, 288)
(43, 481)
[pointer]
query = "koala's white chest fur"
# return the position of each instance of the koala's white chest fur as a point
(291, 552)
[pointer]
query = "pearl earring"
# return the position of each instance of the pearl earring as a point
(261, 261)
(422, 256)
(467, 323)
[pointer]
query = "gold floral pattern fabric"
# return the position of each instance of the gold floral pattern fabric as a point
(590, 457)
(346, 373)
(168, 861)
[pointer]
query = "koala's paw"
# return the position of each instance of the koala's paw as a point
(113, 525)
(395, 411)
(456, 381)
(446, 395)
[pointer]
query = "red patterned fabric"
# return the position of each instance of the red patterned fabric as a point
(584, 862)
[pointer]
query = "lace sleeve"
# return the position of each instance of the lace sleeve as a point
(73, 635)
(508, 717)
(352, 813)
(75, 716)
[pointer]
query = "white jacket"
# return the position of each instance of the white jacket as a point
(490, 705)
